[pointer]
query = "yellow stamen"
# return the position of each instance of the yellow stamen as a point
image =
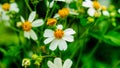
(63, 12)
(6, 6)
(51, 21)
(26, 26)
(58, 33)
(96, 5)
(104, 8)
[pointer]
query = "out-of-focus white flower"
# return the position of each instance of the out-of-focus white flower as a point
(58, 63)
(5, 9)
(58, 37)
(94, 7)
(65, 12)
(27, 25)
(118, 10)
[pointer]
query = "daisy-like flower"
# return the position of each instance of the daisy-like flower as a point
(64, 12)
(6, 7)
(95, 8)
(58, 37)
(58, 63)
(28, 24)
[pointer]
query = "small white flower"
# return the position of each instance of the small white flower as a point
(6, 8)
(58, 37)
(93, 7)
(58, 63)
(27, 25)
(118, 10)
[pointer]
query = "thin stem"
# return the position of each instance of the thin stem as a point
(26, 1)
(79, 45)
(48, 9)
(92, 52)
(79, 57)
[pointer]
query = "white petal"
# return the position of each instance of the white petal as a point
(87, 3)
(48, 40)
(32, 16)
(33, 35)
(27, 34)
(56, 16)
(59, 26)
(13, 7)
(118, 10)
(69, 31)
(51, 65)
(53, 45)
(91, 11)
(106, 13)
(5, 17)
(62, 44)
(22, 19)
(68, 38)
(51, 4)
(58, 62)
(48, 33)
(67, 63)
(37, 23)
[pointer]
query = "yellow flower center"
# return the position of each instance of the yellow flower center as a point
(51, 21)
(26, 26)
(58, 33)
(96, 5)
(104, 8)
(63, 12)
(6, 6)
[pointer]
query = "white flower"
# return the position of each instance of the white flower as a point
(58, 63)
(27, 25)
(93, 7)
(58, 37)
(118, 10)
(6, 8)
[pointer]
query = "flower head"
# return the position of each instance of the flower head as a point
(51, 21)
(63, 12)
(59, 37)
(58, 63)
(95, 8)
(26, 62)
(27, 25)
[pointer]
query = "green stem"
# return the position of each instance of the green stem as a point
(26, 1)
(53, 9)
(86, 32)
(115, 66)
(81, 50)
(92, 53)
(48, 9)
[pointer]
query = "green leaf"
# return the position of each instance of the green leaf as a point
(114, 37)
